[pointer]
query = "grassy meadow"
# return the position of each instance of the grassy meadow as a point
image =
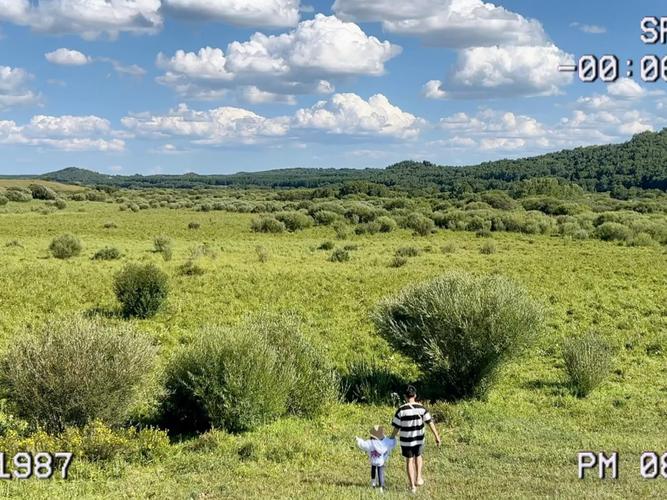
(520, 440)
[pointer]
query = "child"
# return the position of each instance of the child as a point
(378, 448)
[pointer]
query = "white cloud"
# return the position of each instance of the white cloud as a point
(626, 88)
(504, 72)
(67, 133)
(433, 90)
(446, 23)
(88, 18)
(215, 126)
(349, 114)
(124, 69)
(253, 95)
(267, 13)
(67, 57)
(299, 62)
(14, 87)
(592, 29)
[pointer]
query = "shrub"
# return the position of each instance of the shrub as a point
(407, 252)
(483, 233)
(203, 250)
(420, 224)
(141, 290)
(386, 224)
(107, 253)
(339, 255)
(398, 261)
(194, 225)
(41, 192)
(268, 225)
(459, 328)
(17, 194)
(342, 230)
(488, 248)
(162, 244)
(367, 383)
(642, 240)
(587, 362)
(325, 217)
(294, 221)
(449, 247)
(262, 253)
(65, 246)
(613, 231)
(239, 378)
(3, 200)
(110, 225)
(191, 268)
(326, 245)
(60, 204)
(73, 372)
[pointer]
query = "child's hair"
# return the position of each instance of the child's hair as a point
(410, 391)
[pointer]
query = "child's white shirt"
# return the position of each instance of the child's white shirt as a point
(378, 449)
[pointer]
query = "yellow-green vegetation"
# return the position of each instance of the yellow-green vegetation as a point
(519, 440)
(56, 186)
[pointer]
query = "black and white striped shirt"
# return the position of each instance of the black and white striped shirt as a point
(409, 420)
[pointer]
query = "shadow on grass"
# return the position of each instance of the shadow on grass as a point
(103, 312)
(554, 388)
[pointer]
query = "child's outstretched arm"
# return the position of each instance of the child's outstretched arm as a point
(364, 445)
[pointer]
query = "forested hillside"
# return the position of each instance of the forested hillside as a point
(640, 163)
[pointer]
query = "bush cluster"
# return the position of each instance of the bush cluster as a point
(65, 246)
(141, 290)
(70, 373)
(268, 225)
(587, 362)
(459, 328)
(107, 253)
(239, 378)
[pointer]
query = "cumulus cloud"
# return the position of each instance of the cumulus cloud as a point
(592, 29)
(67, 57)
(349, 114)
(266, 13)
(305, 60)
(505, 72)
(14, 87)
(446, 23)
(626, 88)
(67, 133)
(215, 126)
(88, 18)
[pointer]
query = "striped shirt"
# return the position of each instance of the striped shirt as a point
(409, 420)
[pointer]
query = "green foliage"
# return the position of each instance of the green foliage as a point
(3, 200)
(60, 204)
(194, 225)
(65, 246)
(294, 221)
(141, 290)
(326, 245)
(191, 268)
(407, 252)
(42, 192)
(110, 225)
(325, 217)
(398, 261)
(268, 225)
(239, 378)
(343, 231)
(488, 248)
(263, 254)
(420, 224)
(459, 328)
(340, 255)
(19, 195)
(107, 253)
(449, 247)
(72, 372)
(163, 245)
(386, 224)
(587, 362)
(613, 231)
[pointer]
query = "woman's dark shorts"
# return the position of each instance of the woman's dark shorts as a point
(412, 451)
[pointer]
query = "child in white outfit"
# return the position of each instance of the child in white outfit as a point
(378, 448)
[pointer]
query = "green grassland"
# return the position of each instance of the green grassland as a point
(520, 441)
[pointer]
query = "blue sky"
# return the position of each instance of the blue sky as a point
(219, 86)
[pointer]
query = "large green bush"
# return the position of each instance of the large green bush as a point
(141, 290)
(459, 328)
(72, 372)
(420, 224)
(268, 225)
(613, 231)
(239, 378)
(294, 221)
(65, 246)
(587, 362)
(42, 192)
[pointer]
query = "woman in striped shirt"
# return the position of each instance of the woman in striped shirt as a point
(409, 423)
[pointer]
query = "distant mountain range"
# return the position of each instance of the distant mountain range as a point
(639, 163)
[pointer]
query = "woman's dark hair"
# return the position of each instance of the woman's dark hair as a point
(410, 391)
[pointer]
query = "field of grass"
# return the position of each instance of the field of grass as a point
(520, 441)
(56, 186)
